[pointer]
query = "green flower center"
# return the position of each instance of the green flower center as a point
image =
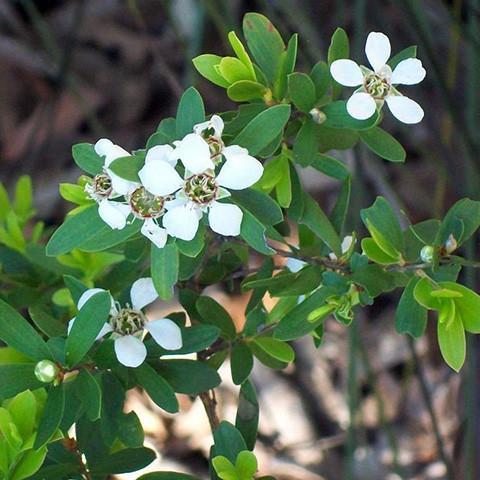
(146, 205)
(128, 321)
(101, 187)
(201, 189)
(377, 86)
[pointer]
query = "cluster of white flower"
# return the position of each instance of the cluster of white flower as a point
(128, 325)
(172, 196)
(378, 86)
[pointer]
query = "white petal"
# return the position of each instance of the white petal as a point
(130, 351)
(161, 153)
(87, 295)
(295, 265)
(181, 222)
(225, 218)
(120, 185)
(156, 234)
(240, 169)
(215, 122)
(405, 109)
(114, 214)
(361, 106)
(378, 50)
(142, 293)
(160, 178)
(102, 146)
(194, 153)
(166, 333)
(346, 72)
(408, 72)
(114, 152)
(105, 329)
(346, 243)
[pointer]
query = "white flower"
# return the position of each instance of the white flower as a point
(128, 325)
(139, 202)
(378, 86)
(200, 188)
(294, 264)
(347, 244)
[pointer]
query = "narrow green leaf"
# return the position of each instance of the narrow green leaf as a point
(89, 393)
(410, 317)
(164, 269)
(306, 143)
(205, 65)
(383, 144)
(248, 414)
(48, 324)
(338, 117)
(128, 167)
(259, 204)
(451, 336)
(124, 461)
(253, 232)
(214, 314)
(287, 66)
(190, 112)
(339, 46)
(87, 158)
(276, 348)
(302, 91)
(228, 441)
(52, 416)
(241, 363)
(17, 378)
(244, 90)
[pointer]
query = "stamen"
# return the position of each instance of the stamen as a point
(146, 205)
(128, 321)
(201, 189)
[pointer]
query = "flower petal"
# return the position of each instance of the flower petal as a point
(142, 293)
(378, 50)
(160, 178)
(181, 222)
(361, 106)
(166, 333)
(105, 329)
(225, 219)
(346, 72)
(294, 264)
(156, 234)
(240, 169)
(161, 153)
(215, 122)
(405, 109)
(408, 72)
(114, 214)
(114, 152)
(121, 186)
(102, 146)
(194, 153)
(130, 351)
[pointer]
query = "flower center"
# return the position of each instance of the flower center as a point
(128, 321)
(146, 205)
(377, 86)
(100, 188)
(201, 189)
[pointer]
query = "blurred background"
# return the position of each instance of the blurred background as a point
(368, 404)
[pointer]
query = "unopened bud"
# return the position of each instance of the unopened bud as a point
(317, 115)
(451, 244)
(46, 371)
(426, 254)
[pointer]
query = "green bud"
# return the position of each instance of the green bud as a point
(426, 254)
(46, 371)
(317, 115)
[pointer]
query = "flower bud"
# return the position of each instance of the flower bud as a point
(451, 244)
(426, 254)
(46, 371)
(317, 115)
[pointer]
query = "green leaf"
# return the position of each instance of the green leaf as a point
(384, 227)
(383, 144)
(228, 441)
(157, 388)
(283, 188)
(246, 465)
(248, 414)
(302, 91)
(88, 323)
(49, 325)
(167, 476)
(410, 317)
(241, 53)
(409, 52)
(51, 417)
(241, 363)
(23, 409)
(376, 254)
(316, 220)
(339, 46)
(263, 129)
(253, 232)
(264, 42)
(375, 280)
(124, 461)
(17, 333)
(187, 376)
(451, 336)
(87, 158)
(287, 66)
(320, 76)
(244, 90)
(468, 212)
(130, 431)
(190, 112)
(15, 379)
(30, 462)
(205, 65)
(88, 391)
(330, 166)
(338, 117)
(276, 348)
(214, 314)
(306, 143)
(260, 205)
(233, 70)
(128, 167)
(164, 269)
